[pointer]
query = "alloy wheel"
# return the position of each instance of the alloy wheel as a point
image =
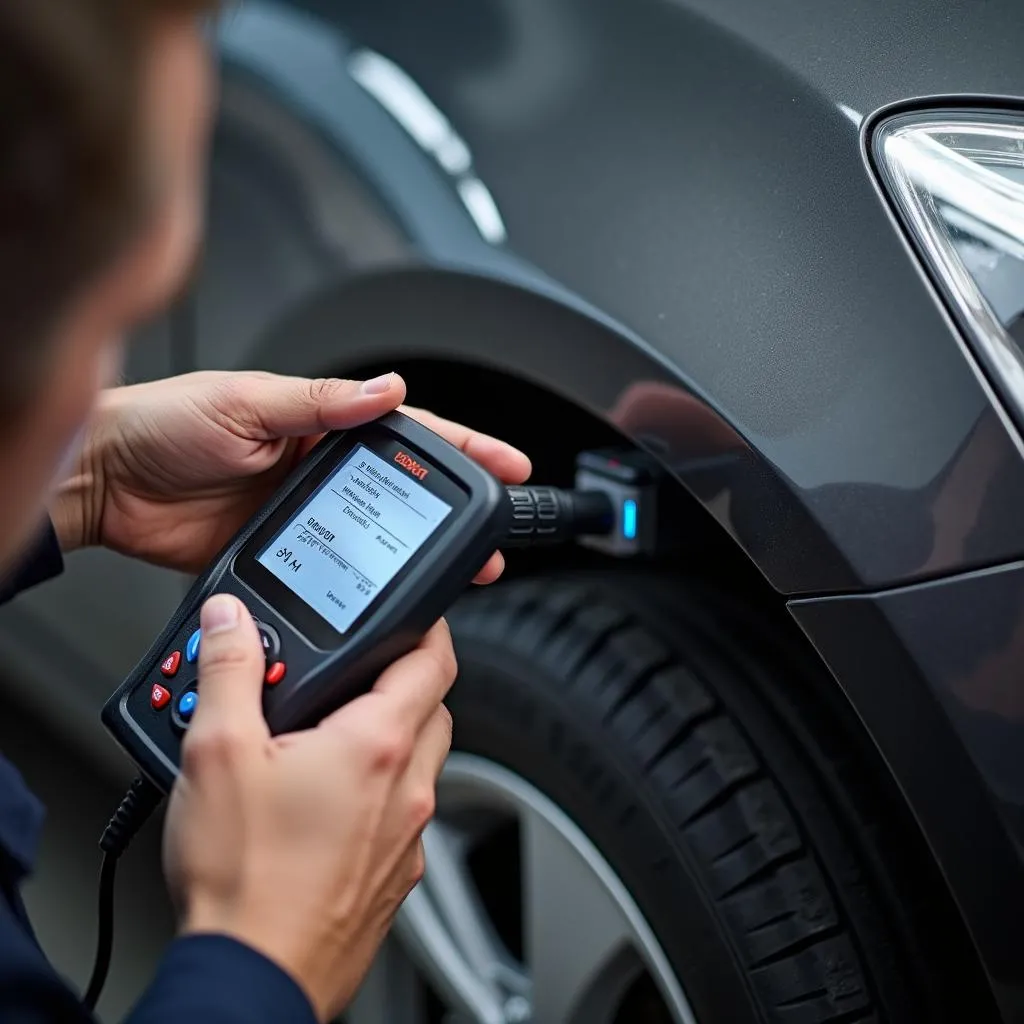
(518, 920)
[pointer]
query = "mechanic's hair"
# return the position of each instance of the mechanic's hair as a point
(72, 183)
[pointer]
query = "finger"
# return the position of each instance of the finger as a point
(507, 463)
(408, 691)
(269, 406)
(418, 790)
(231, 667)
(407, 873)
(492, 570)
(416, 797)
(421, 680)
(431, 750)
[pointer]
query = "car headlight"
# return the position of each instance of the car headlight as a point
(957, 179)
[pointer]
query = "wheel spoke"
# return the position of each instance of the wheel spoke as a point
(578, 943)
(457, 901)
(424, 934)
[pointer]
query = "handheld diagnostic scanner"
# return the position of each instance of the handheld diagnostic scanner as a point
(356, 556)
(361, 550)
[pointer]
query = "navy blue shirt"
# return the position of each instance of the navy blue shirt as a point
(228, 983)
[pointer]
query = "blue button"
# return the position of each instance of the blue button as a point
(187, 704)
(192, 647)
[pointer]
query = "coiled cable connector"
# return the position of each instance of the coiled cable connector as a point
(141, 800)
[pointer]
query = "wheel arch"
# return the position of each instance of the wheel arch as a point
(536, 342)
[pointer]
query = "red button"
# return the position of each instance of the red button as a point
(169, 666)
(275, 673)
(159, 697)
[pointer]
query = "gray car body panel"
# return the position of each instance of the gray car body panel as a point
(709, 205)
(933, 670)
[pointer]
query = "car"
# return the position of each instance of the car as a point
(771, 770)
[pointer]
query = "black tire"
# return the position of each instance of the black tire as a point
(645, 711)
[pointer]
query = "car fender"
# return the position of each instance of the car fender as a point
(798, 377)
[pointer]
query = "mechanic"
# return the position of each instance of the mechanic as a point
(286, 858)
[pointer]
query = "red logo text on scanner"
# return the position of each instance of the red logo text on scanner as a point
(411, 466)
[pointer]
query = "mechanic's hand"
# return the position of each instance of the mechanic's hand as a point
(172, 469)
(304, 846)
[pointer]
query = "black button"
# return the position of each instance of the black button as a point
(271, 640)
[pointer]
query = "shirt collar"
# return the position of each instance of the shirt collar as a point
(21, 820)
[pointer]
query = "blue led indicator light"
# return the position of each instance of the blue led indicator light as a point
(629, 519)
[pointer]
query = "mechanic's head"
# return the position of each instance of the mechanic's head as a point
(104, 112)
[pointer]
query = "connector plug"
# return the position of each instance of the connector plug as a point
(546, 516)
(628, 478)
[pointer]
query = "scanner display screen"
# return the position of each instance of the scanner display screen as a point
(356, 531)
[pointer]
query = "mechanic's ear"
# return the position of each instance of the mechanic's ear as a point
(178, 92)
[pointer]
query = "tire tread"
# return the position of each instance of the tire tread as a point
(727, 808)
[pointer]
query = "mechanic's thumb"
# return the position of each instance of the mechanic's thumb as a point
(231, 666)
(297, 407)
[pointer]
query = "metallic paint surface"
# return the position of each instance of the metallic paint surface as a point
(934, 671)
(712, 204)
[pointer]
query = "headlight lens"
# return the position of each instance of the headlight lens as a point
(958, 181)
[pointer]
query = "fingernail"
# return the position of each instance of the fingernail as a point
(219, 614)
(378, 385)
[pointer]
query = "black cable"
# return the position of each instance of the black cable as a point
(104, 932)
(138, 804)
